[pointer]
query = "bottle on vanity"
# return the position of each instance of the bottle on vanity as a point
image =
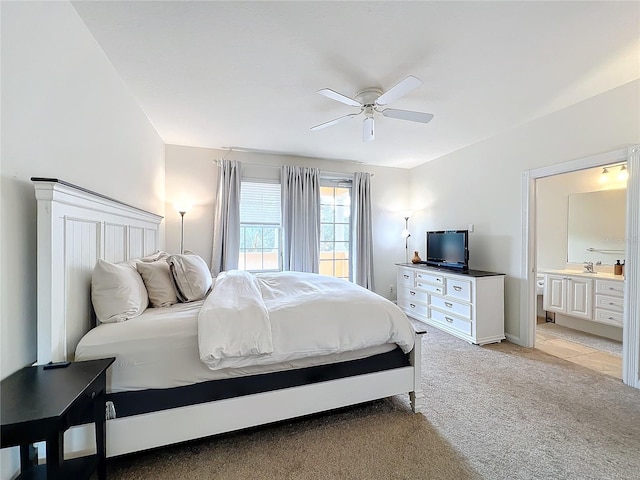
(617, 268)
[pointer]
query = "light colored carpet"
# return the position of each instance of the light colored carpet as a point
(583, 338)
(493, 412)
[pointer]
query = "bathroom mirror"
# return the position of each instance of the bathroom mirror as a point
(596, 228)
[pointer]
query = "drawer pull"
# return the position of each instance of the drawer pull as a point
(406, 276)
(450, 320)
(457, 288)
(438, 280)
(611, 303)
(412, 305)
(448, 304)
(611, 318)
(611, 288)
(439, 290)
(412, 293)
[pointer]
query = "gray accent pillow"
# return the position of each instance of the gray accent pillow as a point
(117, 292)
(191, 277)
(157, 279)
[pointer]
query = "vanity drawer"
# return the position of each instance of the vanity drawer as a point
(429, 278)
(414, 295)
(413, 308)
(610, 303)
(459, 289)
(458, 308)
(459, 324)
(405, 278)
(439, 289)
(609, 317)
(610, 287)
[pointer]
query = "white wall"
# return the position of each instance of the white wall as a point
(552, 214)
(65, 114)
(191, 175)
(481, 184)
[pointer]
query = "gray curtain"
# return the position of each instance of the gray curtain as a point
(301, 218)
(361, 230)
(226, 220)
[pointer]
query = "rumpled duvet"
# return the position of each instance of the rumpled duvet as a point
(272, 318)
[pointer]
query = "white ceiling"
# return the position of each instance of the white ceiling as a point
(245, 74)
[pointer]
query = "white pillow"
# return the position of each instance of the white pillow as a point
(191, 277)
(157, 278)
(117, 292)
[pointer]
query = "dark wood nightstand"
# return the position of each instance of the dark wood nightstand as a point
(40, 403)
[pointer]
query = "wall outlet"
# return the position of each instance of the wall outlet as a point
(391, 288)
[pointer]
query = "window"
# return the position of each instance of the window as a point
(335, 212)
(260, 227)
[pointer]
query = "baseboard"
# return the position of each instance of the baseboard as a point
(513, 339)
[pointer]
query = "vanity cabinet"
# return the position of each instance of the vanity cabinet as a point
(609, 303)
(469, 305)
(570, 295)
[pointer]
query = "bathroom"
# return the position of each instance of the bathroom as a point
(580, 256)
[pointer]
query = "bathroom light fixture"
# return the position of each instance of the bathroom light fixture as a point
(608, 176)
(624, 174)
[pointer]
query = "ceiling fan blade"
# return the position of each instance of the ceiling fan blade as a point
(368, 133)
(399, 90)
(333, 95)
(334, 121)
(408, 115)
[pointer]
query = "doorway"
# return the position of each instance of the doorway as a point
(631, 316)
(580, 225)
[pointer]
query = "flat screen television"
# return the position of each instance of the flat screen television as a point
(448, 249)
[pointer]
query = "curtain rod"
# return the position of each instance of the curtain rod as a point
(216, 161)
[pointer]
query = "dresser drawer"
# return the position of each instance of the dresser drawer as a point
(414, 295)
(414, 309)
(459, 289)
(459, 324)
(429, 278)
(447, 305)
(439, 289)
(609, 317)
(610, 287)
(405, 278)
(608, 302)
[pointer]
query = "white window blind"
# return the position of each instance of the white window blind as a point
(260, 203)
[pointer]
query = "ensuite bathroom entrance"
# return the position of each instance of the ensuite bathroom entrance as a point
(580, 256)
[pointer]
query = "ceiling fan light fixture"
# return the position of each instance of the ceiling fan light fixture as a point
(368, 131)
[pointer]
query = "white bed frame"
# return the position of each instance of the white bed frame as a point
(76, 227)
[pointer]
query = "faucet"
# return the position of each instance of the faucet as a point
(588, 267)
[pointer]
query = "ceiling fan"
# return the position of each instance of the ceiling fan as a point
(369, 102)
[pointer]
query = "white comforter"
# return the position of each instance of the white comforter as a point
(272, 318)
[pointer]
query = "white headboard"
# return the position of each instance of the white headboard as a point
(76, 227)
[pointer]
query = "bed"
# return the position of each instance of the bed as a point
(159, 383)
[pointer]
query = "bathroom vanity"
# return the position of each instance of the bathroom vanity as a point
(596, 297)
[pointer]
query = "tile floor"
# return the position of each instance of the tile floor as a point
(588, 357)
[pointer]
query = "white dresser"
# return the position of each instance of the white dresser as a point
(469, 305)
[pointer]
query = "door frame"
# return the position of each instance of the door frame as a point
(631, 316)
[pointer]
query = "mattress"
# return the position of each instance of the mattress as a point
(159, 349)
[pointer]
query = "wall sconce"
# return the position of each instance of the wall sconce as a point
(604, 176)
(182, 209)
(622, 175)
(405, 234)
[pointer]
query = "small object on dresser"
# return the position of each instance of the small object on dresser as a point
(617, 268)
(416, 258)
